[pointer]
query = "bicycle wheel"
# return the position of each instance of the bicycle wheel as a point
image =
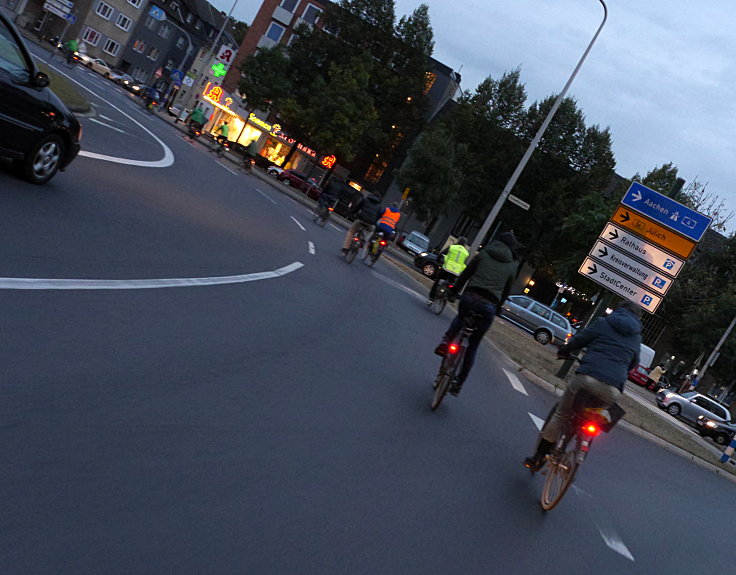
(374, 258)
(448, 368)
(438, 304)
(352, 252)
(560, 475)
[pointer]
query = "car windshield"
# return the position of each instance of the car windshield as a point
(690, 394)
(11, 58)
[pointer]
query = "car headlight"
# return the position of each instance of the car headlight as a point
(711, 424)
(422, 254)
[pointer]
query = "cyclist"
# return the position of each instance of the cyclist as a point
(489, 276)
(388, 220)
(224, 130)
(613, 345)
(366, 212)
(453, 264)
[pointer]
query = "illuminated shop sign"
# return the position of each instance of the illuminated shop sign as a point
(216, 96)
(328, 161)
(275, 131)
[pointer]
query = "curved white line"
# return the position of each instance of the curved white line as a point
(69, 284)
(164, 162)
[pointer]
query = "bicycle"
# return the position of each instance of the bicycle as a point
(453, 360)
(322, 214)
(375, 248)
(356, 245)
(442, 295)
(561, 464)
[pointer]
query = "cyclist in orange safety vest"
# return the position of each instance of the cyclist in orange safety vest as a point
(388, 220)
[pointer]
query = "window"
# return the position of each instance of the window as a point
(104, 11)
(91, 36)
(275, 32)
(139, 74)
(540, 311)
(289, 5)
(12, 59)
(124, 22)
(521, 301)
(429, 79)
(111, 47)
(153, 53)
(180, 43)
(378, 167)
(151, 23)
(311, 14)
(164, 31)
(136, 3)
(139, 46)
(558, 321)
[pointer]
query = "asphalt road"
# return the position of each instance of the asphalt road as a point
(174, 407)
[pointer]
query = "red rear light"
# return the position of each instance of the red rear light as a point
(331, 209)
(356, 239)
(383, 242)
(451, 286)
(453, 347)
(591, 429)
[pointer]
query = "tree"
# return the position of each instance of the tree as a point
(263, 82)
(433, 172)
(239, 30)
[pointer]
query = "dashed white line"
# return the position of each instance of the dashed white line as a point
(68, 284)
(311, 248)
(228, 169)
(515, 383)
(397, 285)
(608, 533)
(538, 423)
(269, 198)
(334, 226)
(298, 224)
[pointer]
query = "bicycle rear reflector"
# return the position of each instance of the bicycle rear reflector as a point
(591, 429)
(453, 347)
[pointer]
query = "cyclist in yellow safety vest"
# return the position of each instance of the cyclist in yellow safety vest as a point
(453, 265)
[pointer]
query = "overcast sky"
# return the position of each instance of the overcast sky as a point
(661, 75)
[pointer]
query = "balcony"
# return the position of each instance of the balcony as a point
(282, 15)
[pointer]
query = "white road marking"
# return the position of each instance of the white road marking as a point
(311, 248)
(608, 533)
(298, 224)
(106, 118)
(228, 169)
(537, 421)
(106, 125)
(269, 198)
(334, 226)
(164, 162)
(515, 383)
(77, 284)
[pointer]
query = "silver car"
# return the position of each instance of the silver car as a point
(545, 323)
(690, 405)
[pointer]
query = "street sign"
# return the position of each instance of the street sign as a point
(159, 72)
(54, 10)
(653, 232)
(619, 285)
(666, 211)
(188, 81)
(634, 245)
(631, 268)
(71, 18)
(62, 6)
(519, 202)
(226, 55)
(176, 75)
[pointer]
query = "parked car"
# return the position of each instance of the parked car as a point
(137, 88)
(721, 432)
(428, 263)
(546, 324)
(640, 376)
(690, 405)
(274, 171)
(37, 130)
(300, 181)
(119, 77)
(95, 64)
(175, 110)
(414, 243)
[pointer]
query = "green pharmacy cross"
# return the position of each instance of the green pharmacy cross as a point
(219, 70)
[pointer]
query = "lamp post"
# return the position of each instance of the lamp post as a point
(522, 164)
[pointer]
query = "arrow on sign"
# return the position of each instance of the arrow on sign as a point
(603, 252)
(625, 217)
(592, 269)
(613, 234)
(636, 196)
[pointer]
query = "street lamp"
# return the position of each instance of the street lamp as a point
(522, 164)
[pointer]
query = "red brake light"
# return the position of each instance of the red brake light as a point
(452, 348)
(451, 286)
(356, 239)
(591, 429)
(383, 242)
(331, 209)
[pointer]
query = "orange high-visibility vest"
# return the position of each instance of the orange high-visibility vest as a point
(390, 218)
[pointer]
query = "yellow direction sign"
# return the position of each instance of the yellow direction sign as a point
(653, 232)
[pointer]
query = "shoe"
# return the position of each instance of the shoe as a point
(532, 464)
(343, 251)
(455, 388)
(429, 302)
(536, 461)
(441, 349)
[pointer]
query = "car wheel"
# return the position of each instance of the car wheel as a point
(286, 182)
(721, 439)
(429, 270)
(673, 409)
(89, 65)
(543, 336)
(43, 161)
(107, 75)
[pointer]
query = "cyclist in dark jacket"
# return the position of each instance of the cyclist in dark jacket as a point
(613, 344)
(489, 276)
(367, 211)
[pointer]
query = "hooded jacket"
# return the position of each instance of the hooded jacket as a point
(613, 345)
(490, 273)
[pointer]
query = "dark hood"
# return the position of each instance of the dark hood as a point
(499, 251)
(624, 322)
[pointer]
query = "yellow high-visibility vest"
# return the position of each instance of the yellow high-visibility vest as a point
(454, 261)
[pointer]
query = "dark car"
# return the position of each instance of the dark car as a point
(37, 130)
(721, 432)
(428, 263)
(300, 181)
